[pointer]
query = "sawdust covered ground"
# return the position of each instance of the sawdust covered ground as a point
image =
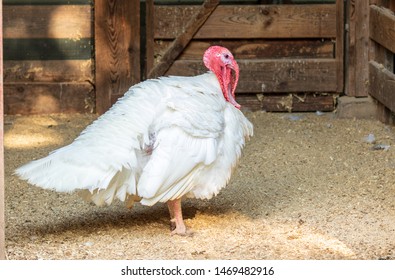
(308, 187)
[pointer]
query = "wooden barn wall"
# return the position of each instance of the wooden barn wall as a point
(381, 67)
(290, 56)
(48, 48)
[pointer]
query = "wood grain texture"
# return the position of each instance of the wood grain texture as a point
(47, 98)
(339, 48)
(382, 27)
(350, 56)
(48, 71)
(250, 21)
(47, 49)
(361, 47)
(61, 21)
(275, 75)
(271, 102)
(117, 42)
(257, 48)
(2, 188)
(382, 85)
(182, 40)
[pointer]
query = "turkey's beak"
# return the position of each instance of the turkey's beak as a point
(233, 79)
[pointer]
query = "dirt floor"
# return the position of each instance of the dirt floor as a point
(309, 186)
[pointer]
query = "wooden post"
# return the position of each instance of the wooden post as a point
(2, 210)
(149, 26)
(117, 49)
(357, 75)
(339, 52)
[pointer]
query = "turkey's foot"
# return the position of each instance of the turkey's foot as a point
(177, 225)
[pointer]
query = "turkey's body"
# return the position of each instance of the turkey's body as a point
(165, 139)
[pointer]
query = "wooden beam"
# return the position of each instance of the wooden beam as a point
(150, 43)
(2, 188)
(382, 85)
(184, 38)
(258, 48)
(382, 27)
(361, 48)
(274, 75)
(117, 46)
(30, 71)
(48, 98)
(340, 44)
(250, 21)
(272, 102)
(50, 21)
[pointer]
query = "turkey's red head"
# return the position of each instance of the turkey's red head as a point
(222, 63)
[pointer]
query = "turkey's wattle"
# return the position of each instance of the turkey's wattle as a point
(166, 139)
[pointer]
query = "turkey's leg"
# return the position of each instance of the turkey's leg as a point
(176, 221)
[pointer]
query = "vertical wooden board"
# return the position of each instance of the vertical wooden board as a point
(362, 48)
(150, 43)
(340, 44)
(350, 60)
(117, 48)
(2, 191)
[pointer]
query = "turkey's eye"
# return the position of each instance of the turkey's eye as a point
(226, 56)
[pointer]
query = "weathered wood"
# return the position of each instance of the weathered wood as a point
(46, 98)
(47, 49)
(61, 21)
(47, 2)
(150, 43)
(250, 21)
(382, 27)
(361, 48)
(117, 45)
(350, 56)
(274, 75)
(182, 40)
(340, 45)
(258, 49)
(287, 102)
(382, 85)
(2, 188)
(48, 71)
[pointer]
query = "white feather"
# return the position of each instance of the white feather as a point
(164, 139)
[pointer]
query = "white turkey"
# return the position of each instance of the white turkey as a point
(166, 139)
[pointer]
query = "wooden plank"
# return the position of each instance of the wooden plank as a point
(275, 75)
(64, 21)
(382, 85)
(47, 2)
(150, 43)
(350, 55)
(258, 49)
(361, 48)
(382, 27)
(2, 188)
(47, 98)
(250, 21)
(47, 49)
(287, 102)
(117, 45)
(340, 44)
(182, 40)
(48, 71)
